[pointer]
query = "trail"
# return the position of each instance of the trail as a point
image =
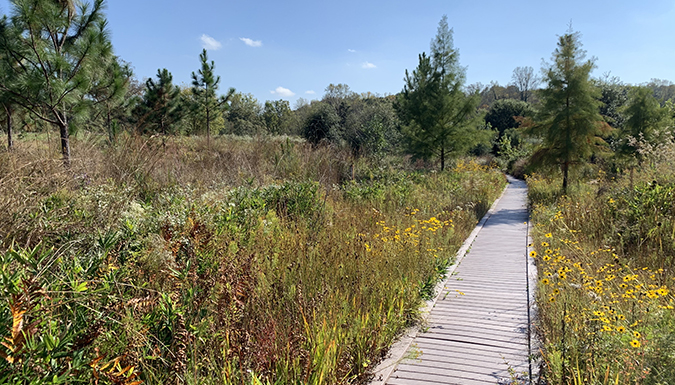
(478, 328)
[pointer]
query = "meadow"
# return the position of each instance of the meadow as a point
(605, 255)
(242, 261)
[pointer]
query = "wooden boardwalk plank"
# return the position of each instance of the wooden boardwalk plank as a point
(477, 351)
(477, 330)
(444, 356)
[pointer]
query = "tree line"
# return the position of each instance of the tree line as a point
(58, 70)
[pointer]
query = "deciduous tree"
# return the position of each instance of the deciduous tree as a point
(322, 124)
(502, 115)
(614, 95)
(568, 123)
(276, 116)
(525, 80)
(644, 117)
(244, 114)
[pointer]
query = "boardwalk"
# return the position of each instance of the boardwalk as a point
(477, 331)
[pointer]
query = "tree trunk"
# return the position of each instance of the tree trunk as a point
(443, 159)
(65, 143)
(208, 129)
(65, 137)
(10, 140)
(108, 122)
(568, 143)
(565, 172)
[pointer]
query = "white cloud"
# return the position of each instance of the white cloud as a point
(283, 92)
(368, 65)
(210, 43)
(251, 42)
(351, 50)
(310, 92)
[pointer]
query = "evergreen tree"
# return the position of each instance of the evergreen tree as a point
(439, 119)
(568, 122)
(204, 86)
(444, 56)
(53, 49)
(418, 106)
(160, 107)
(109, 95)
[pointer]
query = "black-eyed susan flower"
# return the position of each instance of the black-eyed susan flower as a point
(533, 254)
(636, 334)
(545, 244)
(635, 343)
(545, 281)
(549, 235)
(620, 329)
(607, 328)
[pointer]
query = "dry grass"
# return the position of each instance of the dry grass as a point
(254, 260)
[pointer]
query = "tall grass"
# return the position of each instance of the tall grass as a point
(606, 254)
(248, 261)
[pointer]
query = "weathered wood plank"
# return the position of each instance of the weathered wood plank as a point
(474, 338)
(442, 357)
(439, 374)
(462, 322)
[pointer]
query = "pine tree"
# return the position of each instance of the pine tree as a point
(418, 106)
(52, 48)
(110, 95)
(204, 87)
(569, 122)
(160, 107)
(439, 119)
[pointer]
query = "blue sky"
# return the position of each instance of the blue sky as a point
(289, 49)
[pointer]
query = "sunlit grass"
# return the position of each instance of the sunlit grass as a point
(247, 262)
(606, 306)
